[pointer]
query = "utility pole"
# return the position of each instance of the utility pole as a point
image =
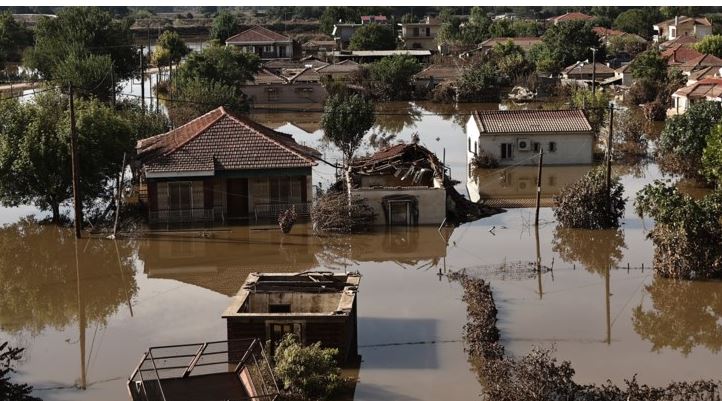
(112, 81)
(609, 156)
(538, 186)
(75, 167)
(142, 79)
(119, 196)
(594, 69)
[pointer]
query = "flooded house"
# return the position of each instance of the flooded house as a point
(485, 47)
(317, 47)
(293, 88)
(429, 77)
(706, 90)
(266, 43)
(585, 71)
(420, 35)
(222, 168)
(341, 71)
(219, 370)
(404, 184)
(515, 137)
(570, 16)
(314, 306)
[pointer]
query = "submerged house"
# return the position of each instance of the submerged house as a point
(516, 136)
(297, 88)
(314, 306)
(220, 168)
(404, 184)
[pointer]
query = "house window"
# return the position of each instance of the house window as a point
(267, 49)
(399, 213)
(180, 195)
(428, 31)
(506, 151)
(537, 146)
(416, 31)
(279, 308)
(552, 147)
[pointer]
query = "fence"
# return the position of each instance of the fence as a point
(197, 215)
(271, 210)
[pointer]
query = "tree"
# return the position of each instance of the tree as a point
(197, 96)
(510, 60)
(9, 390)
(501, 28)
(391, 76)
(711, 44)
(84, 35)
(373, 37)
(478, 83)
(345, 121)
(569, 42)
(649, 65)
(14, 38)
(309, 372)
(687, 234)
(527, 28)
(583, 204)
(684, 138)
(712, 156)
(544, 59)
(635, 21)
(594, 104)
(223, 64)
(34, 153)
(629, 44)
(334, 14)
(224, 26)
(176, 47)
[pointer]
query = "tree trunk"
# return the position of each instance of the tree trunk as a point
(348, 188)
(56, 213)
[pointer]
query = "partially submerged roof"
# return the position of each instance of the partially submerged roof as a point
(525, 42)
(257, 34)
(218, 141)
(278, 64)
(531, 121)
(346, 66)
(571, 16)
(380, 53)
(582, 68)
(440, 72)
(319, 43)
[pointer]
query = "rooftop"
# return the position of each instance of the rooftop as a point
(525, 42)
(705, 89)
(705, 60)
(299, 294)
(257, 34)
(346, 66)
(218, 141)
(684, 40)
(440, 72)
(679, 54)
(531, 121)
(583, 68)
(379, 53)
(684, 19)
(571, 16)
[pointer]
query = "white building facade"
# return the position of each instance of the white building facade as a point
(515, 137)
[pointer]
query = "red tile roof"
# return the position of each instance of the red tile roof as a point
(680, 54)
(706, 88)
(525, 42)
(572, 16)
(440, 72)
(604, 32)
(705, 60)
(531, 121)
(218, 141)
(580, 68)
(373, 18)
(346, 66)
(685, 40)
(257, 34)
(684, 19)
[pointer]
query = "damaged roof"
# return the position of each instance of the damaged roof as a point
(218, 141)
(257, 34)
(531, 121)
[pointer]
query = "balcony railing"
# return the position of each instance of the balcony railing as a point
(271, 210)
(197, 215)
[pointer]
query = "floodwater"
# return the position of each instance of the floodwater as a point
(85, 311)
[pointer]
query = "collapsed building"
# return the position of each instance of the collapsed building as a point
(406, 184)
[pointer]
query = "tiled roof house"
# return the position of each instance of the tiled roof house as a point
(516, 136)
(265, 43)
(222, 167)
(571, 16)
(709, 90)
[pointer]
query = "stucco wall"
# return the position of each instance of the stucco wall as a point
(431, 202)
(570, 148)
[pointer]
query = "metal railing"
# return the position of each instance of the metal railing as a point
(271, 210)
(195, 215)
(172, 364)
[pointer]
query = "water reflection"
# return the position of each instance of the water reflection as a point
(397, 116)
(517, 187)
(42, 284)
(684, 315)
(596, 250)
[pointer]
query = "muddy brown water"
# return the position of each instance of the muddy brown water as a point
(86, 311)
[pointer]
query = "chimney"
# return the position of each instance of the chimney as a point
(676, 20)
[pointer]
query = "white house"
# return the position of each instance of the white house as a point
(515, 137)
(709, 89)
(679, 26)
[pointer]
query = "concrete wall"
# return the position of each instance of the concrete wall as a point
(570, 148)
(431, 202)
(300, 302)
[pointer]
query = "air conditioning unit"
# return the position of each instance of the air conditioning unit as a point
(524, 145)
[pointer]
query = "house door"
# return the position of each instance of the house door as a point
(282, 51)
(237, 198)
(280, 329)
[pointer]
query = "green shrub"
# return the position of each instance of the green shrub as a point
(309, 372)
(583, 204)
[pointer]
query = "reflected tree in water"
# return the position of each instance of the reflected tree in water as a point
(597, 250)
(395, 117)
(39, 278)
(684, 315)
